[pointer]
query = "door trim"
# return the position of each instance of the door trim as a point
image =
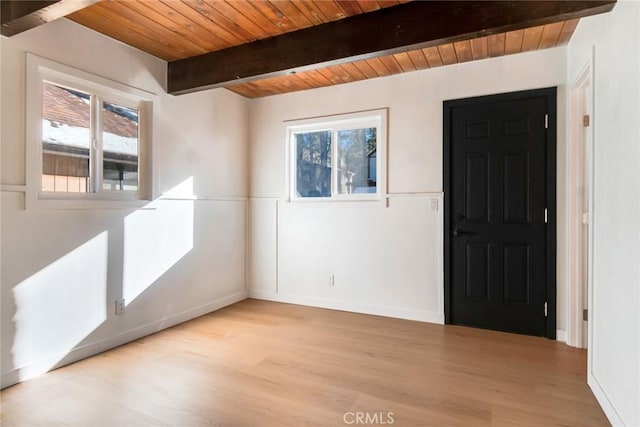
(550, 94)
(580, 103)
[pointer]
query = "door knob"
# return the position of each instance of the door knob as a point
(458, 232)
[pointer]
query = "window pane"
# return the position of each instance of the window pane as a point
(120, 147)
(65, 139)
(313, 164)
(357, 161)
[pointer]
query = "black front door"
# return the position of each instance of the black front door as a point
(499, 179)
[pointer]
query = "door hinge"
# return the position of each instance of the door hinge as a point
(545, 309)
(585, 314)
(585, 120)
(546, 121)
(546, 216)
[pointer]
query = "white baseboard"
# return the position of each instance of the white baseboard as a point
(605, 403)
(82, 352)
(561, 335)
(400, 313)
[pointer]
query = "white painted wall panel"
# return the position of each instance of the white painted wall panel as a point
(384, 259)
(176, 259)
(263, 244)
(381, 258)
(614, 342)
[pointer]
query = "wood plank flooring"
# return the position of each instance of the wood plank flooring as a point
(260, 363)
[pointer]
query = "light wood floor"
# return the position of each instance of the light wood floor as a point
(260, 363)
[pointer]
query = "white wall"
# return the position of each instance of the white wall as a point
(174, 260)
(386, 260)
(614, 342)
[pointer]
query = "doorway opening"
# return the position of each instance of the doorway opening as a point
(580, 178)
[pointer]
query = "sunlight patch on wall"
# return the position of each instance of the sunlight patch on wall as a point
(59, 306)
(155, 239)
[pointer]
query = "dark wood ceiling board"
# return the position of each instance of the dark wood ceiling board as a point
(567, 31)
(284, 84)
(378, 66)
(208, 20)
(388, 3)
(366, 69)
(249, 11)
(463, 51)
(291, 12)
(169, 20)
(17, 16)
(496, 44)
(312, 12)
(129, 36)
(148, 40)
(145, 24)
(350, 7)
(342, 75)
(318, 77)
(246, 91)
(310, 80)
(330, 76)
(347, 40)
(353, 71)
(531, 38)
(419, 60)
(368, 5)
(331, 9)
(251, 31)
(303, 82)
(550, 35)
(391, 64)
(266, 87)
(269, 86)
(273, 14)
(433, 56)
(404, 61)
(448, 54)
(219, 18)
(480, 48)
(215, 35)
(513, 42)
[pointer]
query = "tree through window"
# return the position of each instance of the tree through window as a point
(338, 158)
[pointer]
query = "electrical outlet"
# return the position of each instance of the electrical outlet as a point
(119, 306)
(332, 280)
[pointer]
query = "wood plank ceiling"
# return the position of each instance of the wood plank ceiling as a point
(178, 29)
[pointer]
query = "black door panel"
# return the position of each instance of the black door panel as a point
(496, 243)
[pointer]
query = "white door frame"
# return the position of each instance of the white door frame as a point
(580, 192)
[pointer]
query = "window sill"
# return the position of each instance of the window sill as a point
(340, 202)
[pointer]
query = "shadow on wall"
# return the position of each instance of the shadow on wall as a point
(68, 301)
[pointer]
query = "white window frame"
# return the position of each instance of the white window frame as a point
(40, 71)
(335, 123)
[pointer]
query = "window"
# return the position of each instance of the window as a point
(87, 136)
(337, 158)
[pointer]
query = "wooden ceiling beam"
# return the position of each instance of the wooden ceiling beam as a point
(17, 16)
(414, 25)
